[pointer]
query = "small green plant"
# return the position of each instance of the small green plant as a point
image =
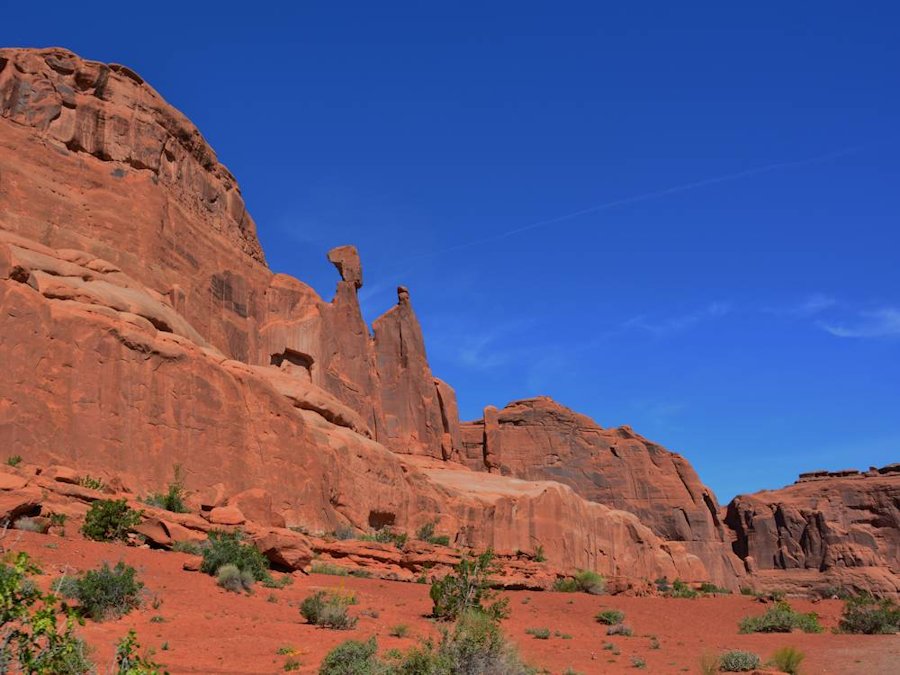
(110, 520)
(737, 661)
(386, 535)
(583, 581)
(609, 646)
(285, 651)
(292, 663)
(682, 590)
(343, 533)
(328, 568)
(14, 460)
(788, 660)
(467, 588)
(610, 617)
(638, 662)
(281, 582)
(109, 592)
(866, 614)
(91, 482)
(708, 588)
(57, 519)
(781, 618)
(173, 498)
(232, 578)
(539, 554)
(352, 658)
(619, 629)
(538, 633)
(401, 630)
(157, 619)
(34, 640)
(328, 609)
(130, 662)
(189, 547)
(662, 585)
(426, 533)
(229, 548)
(747, 590)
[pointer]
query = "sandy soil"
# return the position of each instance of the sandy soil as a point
(196, 627)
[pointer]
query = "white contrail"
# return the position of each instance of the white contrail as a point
(648, 196)
(626, 201)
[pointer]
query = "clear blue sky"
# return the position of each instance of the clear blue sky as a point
(729, 283)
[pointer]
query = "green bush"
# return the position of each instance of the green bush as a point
(328, 609)
(110, 520)
(91, 482)
(610, 617)
(401, 630)
(736, 661)
(681, 590)
(14, 460)
(387, 536)
(228, 548)
(708, 588)
(583, 581)
(467, 588)
(865, 614)
(104, 593)
(539, 554)
(539, 633)
(231, 578)
(426, 533)
(129, 662)
(32, 639)
(781, 618)
(190, 547)
(638, 662)
(173, 498)
(788, 660)
(352, 658)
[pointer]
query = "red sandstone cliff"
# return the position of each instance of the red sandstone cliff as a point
(140, 327)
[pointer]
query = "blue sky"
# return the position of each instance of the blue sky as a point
(678, 216)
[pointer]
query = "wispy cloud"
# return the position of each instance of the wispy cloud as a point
(879, 323)
(681, 322)
(810, 306)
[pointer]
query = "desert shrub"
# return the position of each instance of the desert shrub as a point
(788, 660)
(467, 588)
(619, 629)
(352, 658)
(681, 590)
(401, 630)
(736, 661)
(610, 617)
(232, 578)
(387, 536)
(190, 547)
(565, 585)
(583, 581)
(14, 460)
(29, 524)
(343, 533)
(781, 618)
(104, 593)
(327, 609)
(539, 633)
(539, 554)
(638, 662)
(130, 662)
(328, 568)
(866, 614)
(229, 548)
(91, 482)
(709, 664)
(291, 664)
(426, 533)
(109, 520)
(32, 640)
(711, 589)
(173, 498)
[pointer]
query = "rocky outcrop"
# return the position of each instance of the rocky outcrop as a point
(837, 530)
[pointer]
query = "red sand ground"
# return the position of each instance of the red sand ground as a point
(208, 630)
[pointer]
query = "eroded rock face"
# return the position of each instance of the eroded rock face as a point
(845, 528)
